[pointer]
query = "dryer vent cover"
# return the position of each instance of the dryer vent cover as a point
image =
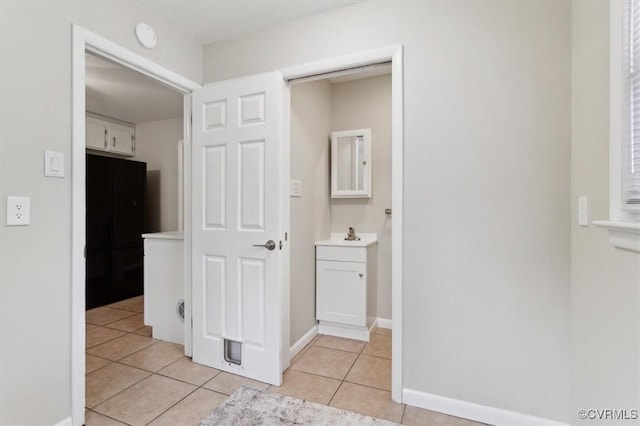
(180, 309)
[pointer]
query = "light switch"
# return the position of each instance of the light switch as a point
(53, 164)
(295, 188)
(583, 211)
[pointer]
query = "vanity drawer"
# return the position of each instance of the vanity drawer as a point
(341, 254)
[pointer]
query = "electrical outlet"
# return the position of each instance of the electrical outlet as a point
(18, 211)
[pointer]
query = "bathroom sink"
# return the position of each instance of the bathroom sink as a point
(337, 239)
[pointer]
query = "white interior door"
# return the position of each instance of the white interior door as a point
(237, 193)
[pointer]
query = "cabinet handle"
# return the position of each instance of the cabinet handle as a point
(361, 275)
(114, 141)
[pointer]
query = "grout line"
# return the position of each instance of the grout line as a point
(404, 410)
(169, 408)
(117, 393)
(106, 341)
(315, 374)
(334, 394)
(109, 417)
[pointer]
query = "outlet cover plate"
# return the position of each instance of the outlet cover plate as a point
(18, 211)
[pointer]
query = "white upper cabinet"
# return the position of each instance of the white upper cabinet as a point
(351, 164)
(112, 137)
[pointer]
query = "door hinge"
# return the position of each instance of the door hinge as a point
(85, 252)
(280, 244)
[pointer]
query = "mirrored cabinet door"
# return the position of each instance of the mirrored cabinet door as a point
(351, 164)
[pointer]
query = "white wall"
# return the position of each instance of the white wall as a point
(311, 213)
(360, 104)
(157, 145)
(487, 184)
(605, 293)
(35, 112)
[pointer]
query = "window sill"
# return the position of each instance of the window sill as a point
(622, 235)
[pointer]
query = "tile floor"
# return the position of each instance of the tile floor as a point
(132, 379)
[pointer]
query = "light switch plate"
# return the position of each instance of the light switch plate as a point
(295, 188)
(53, 164)
(583, 211)
(18, 211)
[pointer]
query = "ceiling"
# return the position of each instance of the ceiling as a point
(209, 21)
(118, 92)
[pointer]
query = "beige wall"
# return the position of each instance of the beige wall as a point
(157, 145)
(487, 184)
(35, 112)
(361, 104)
(310, 214)
(605, 293)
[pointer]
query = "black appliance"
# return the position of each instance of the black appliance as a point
(114, 227)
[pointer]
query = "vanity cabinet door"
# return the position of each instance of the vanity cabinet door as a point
(341, 292)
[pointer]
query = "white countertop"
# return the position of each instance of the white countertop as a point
(170, 235)
(337, 239)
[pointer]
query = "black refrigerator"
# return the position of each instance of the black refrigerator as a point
(114, 227)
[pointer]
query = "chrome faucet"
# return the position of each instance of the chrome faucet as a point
(351, 235)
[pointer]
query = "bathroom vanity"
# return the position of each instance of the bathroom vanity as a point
(346, 286)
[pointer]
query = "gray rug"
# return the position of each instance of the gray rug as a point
(249, 406)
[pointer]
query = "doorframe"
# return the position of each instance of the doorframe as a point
(394, 54)
(83, 41)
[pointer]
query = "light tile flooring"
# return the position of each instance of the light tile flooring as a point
(132, 379)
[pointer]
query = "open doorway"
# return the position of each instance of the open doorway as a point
(86, 97)
(132, 174)
(359, 101)
(342, 69)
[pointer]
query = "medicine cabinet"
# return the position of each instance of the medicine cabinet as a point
(351, 164)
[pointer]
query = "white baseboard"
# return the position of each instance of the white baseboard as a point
(304, 341)
(472, 411)
(384, 323)
(344, 330)
(65, 422)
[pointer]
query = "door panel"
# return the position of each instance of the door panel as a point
(237, 200)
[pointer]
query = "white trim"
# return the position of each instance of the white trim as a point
(346, 331)
(65, 422)
(393, 54)
(384, 323)
(397, 205)
(285, 225)
(82, 40)
(623, 235)
(472, 411)
(186, 216)
(304, 341)
(360, 59)
(616, 103)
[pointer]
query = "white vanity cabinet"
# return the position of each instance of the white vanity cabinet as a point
(102, 135)
(346, 287)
